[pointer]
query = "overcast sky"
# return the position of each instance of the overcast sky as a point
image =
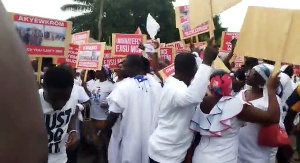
(232, 18)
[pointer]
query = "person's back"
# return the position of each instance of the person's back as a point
(172, 137)
(137, 100)
(173, 124)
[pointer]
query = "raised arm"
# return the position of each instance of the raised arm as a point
(197, 90)
(226, 61)
(23, 133)
(256, 115)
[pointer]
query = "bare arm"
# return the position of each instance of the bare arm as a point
(230, 55)
(255, 115)
(23, 133)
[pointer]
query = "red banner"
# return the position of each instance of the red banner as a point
(167, 53)
(226, 40)
(178, 45)
(43, 37)
(186, 30)
(72, 56)
(111, 61)
(81, 37)
(90, 56)
(167, 71)
(125, 44)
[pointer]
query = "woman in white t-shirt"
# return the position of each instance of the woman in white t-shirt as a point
(102, 87)
(221, 116)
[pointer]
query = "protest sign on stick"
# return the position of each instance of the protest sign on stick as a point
(81, 37)
(110, 60)
(183, 24)
(90, 56)
(168, 53)
(226, 39)
(167, 71)
(71, 58)
(125, 44)
(204, 10)
(178, 45)
(275, 38)
(43, 37)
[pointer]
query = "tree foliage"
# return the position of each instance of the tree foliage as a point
(124, 16)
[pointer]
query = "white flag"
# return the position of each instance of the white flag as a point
(152, 26)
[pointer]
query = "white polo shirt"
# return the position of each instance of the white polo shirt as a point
(172, 137)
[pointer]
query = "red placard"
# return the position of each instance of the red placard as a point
(178, 45)
(226, 40)
(125, 44)
(186, 31)
(167, 53)
(167, 71)
(72, 56)
(43, 37)
(239, 62)
(111, 61)
(90, 56)
(81, 37)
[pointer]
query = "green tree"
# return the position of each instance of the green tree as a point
(89, 20)
(123, 16)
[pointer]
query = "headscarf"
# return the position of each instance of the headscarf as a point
(221, 85)
(265, 71)
(107, 72)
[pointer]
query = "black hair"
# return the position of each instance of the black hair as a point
(240, 74)
(185, 63)
(146, 64)
(59, 78)
(269, 62)
(137, 61)
(92, 74)
(217, 72)
(251, 62)
(66, 66)
(289, 71)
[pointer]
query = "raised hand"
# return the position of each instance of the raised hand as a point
(273, 82)
(211, 52)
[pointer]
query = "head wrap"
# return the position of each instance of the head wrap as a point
(221, 85)
(264, 70)
(107, 72)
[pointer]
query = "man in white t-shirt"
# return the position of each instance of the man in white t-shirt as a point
(180, 96)
(80, 94)
(60, 113)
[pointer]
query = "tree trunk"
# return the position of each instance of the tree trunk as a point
(100, 20)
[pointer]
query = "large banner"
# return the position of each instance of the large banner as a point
(185, 29)
(90, 56)
(71, 59)
(43, 37)
(226, 40)
(81, 37)
(126, 44)
(111, 61)
(167, 53)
